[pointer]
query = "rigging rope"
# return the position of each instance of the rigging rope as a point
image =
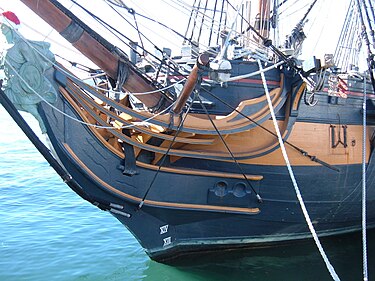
(75, 119)
(133, 12)
(372, 11)
(303, 152)
(300, 150)
(239, 77)
(259, 198)
(364, 238)
(369, 23)
(117, 34)
(212, 23)
(220, 21)
(202, 21)
(194, 22)
(191, 15)
(345, 54)
(370, 56)
(294, 181)
(166, 154)
(93, 86)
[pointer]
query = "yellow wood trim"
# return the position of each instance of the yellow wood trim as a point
(297, 137)
(158, 203)
(154, 131)
(261, 113)
(203, 173)
(153, 167)
(298, 97)
(190, 153)
(85, 119)
(200, 122)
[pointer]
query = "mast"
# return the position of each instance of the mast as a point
(262, 20)
(101, 52)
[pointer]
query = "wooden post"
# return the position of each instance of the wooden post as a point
(189, 86)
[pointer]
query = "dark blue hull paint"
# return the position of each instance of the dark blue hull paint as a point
(333, 199)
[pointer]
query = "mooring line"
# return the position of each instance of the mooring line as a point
(364, 238)
(294, 181)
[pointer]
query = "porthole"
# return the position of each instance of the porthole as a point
(239, 190)
(221, 189)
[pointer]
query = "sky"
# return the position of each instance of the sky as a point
(36, 29)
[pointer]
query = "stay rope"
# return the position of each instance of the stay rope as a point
(257, 195)
(95, 87)
(364, 238)
(294, 181)
(75, 119)
(166, 154)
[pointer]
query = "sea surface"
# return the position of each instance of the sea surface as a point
(49, 233)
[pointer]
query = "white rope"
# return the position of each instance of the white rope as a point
(95, 87)
(159, 90)
(77, 120)
(364, 239)
(256, 72)
(298, 193)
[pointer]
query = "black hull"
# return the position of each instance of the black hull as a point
(198, 217)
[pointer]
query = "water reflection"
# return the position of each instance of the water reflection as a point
(301, 261)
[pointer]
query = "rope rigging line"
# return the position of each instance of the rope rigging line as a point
(220, 20)
(370, 56)
(166, 154)
(139, 33)
(75, 119)
(259, 198)
(209, 22)
(82, 66)
(212, 23)
(194, 21)
(364, 238)
(117, 33)
(308, 12)
(93, 86)
(199, 15)
(239, 77)
(133, 12)
(268, 43)
(369, 22)
(372, 10)
(190, 17)
(345, 54)
(113, 30)
(51, 40)
(300, 150)
(288, 12)
(294, 181)
(99, 74)
(202, 21)
(176, 67)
